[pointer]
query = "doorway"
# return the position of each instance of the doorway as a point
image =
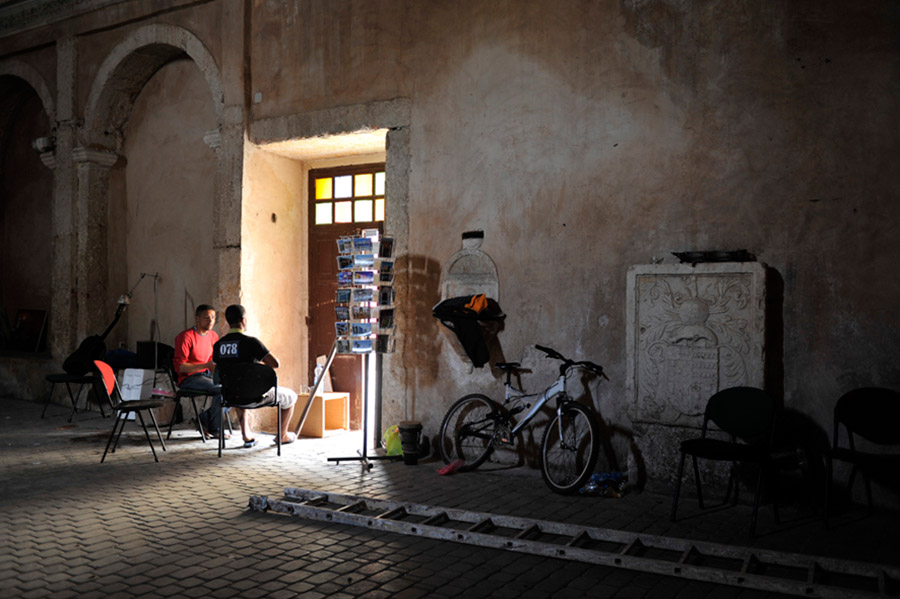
(342, 201)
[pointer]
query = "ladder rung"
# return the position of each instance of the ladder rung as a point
(436, 520)
(351, 506)
(486, 523)
(397, 511)
(577, 538)
(525, 532)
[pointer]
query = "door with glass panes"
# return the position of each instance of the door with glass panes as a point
(343, 200)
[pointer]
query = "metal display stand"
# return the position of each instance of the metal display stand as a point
(364, 317)
(363, 455)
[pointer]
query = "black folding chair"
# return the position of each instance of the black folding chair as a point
(68, 380)
(747, 416)
(107, 385)
(873, 414)
(244, 386)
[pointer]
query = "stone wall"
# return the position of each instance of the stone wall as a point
(583, 137)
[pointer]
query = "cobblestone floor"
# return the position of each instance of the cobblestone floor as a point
(72, 527)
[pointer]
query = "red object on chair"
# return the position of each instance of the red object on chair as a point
(107, 384)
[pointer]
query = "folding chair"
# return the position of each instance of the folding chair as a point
(68, 380)
(244, 386)
(107, 385)
(873, 414)
(193, 396)
(742, 413)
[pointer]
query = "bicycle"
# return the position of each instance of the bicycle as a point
(475, 425)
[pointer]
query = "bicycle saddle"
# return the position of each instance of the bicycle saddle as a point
(509, 366)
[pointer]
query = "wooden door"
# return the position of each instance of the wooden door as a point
(324, 231)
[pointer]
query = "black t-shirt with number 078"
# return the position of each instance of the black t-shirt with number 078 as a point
(237, 348)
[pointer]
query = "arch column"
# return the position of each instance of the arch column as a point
(63, 298)
(228, 144)
(91, 266)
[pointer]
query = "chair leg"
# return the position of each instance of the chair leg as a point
(829, 473)
(278, 432)
(73, 399)
(197, 419)
(113, 435)
(868, 482)
(697, 481)
(677, 488)
(147, 434)
(759, 479)
(49, 397)
(222, 432)
(156, 426)
(172, 420)
(732, 486)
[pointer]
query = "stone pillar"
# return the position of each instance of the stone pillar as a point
(63, 299)
(227, 212)
(394, 400)
(91, 266)
(692, 331)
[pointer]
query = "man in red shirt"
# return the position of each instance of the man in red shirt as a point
(194, 365)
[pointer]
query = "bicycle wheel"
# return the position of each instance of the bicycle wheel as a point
(569, 448)
(467, 430)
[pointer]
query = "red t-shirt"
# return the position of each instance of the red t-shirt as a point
(193, 348)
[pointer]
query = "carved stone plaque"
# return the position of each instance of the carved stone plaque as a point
(692, 331)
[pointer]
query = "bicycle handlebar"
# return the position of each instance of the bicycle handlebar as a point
(567, 363)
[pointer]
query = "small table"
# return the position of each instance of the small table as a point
(329, 410)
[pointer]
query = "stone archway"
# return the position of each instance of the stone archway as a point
(32, 77)
(129, 66)
(26, 190)
(119, 80)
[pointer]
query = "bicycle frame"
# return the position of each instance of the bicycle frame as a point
(559, 387)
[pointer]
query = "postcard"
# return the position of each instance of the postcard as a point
(344, 262)
(361, 329)
(362, 346)
(343, 296)
(363, 295)
(363, 277)
(363, 261)
(361, 312)
(386, 247)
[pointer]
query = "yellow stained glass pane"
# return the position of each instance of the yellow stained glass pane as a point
(323, 188)
(343, 186)
(379, 209)
(379, 184)
(323, 213)
(362, 185)
(363, 211)
(343, 212)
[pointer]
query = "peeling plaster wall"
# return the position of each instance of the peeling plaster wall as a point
(162, 222)
(584, 137)
(274, 285)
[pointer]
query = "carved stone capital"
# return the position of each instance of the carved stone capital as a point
(213, 138)
(49, 159)
(98, 156)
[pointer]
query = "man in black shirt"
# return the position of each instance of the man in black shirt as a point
(238, 348)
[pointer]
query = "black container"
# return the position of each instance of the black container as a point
(410, 432)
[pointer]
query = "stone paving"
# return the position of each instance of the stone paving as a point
(72, 527)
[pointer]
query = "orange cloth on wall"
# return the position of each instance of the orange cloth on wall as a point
(478, 303)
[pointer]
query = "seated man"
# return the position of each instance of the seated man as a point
(237, 348)
(194, 365)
